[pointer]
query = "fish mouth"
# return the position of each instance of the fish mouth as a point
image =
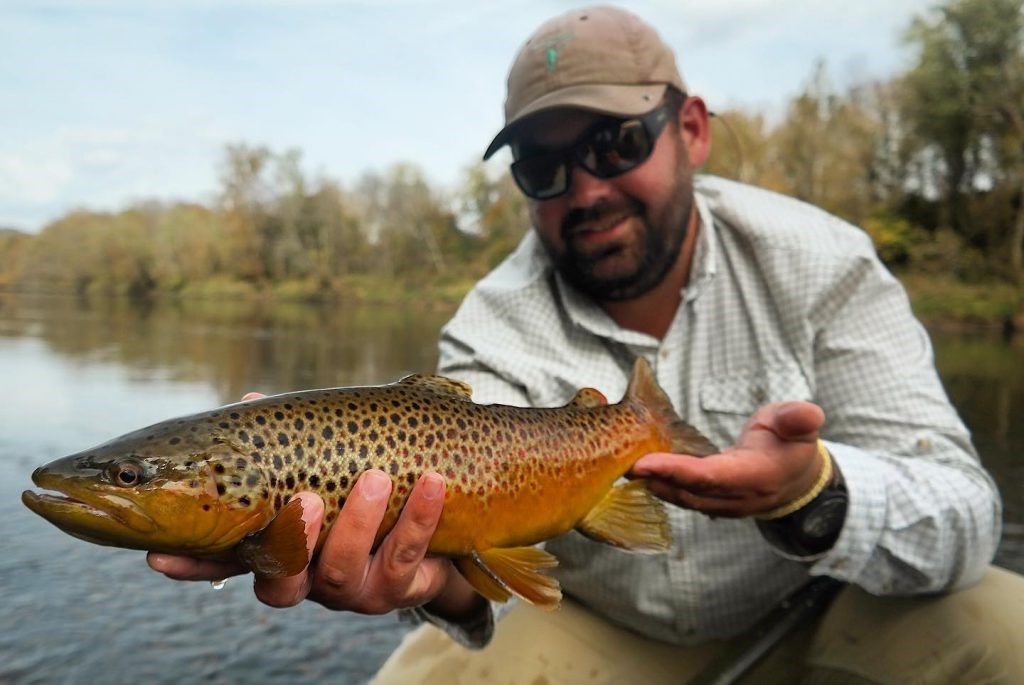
(86, 514)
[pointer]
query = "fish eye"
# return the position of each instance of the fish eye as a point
(126, 473)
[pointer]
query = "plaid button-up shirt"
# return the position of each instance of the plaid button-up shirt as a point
(785, 302)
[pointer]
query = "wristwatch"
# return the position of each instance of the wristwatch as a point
(813, 529)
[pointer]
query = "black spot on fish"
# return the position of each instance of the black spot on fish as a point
(460, 423)
(244, 500)
(373, 436)
(327, 432)
(224, 424)
(352, 427)
(309, 415)
(429, 441)
(279, 415)
(261, 419)
(221, 489)
(352, 406)
(380, 450)
(302, 476)
(243, 436)
(241, 463)
(413, 422)
(235, 415)
(288, 406)
(258, 441)
(174, 440)
(299, 424)
(382, 420)
(330, 486)
(343, 481)
(314, 480)
(394, 468)
(219, 468)
(278, 462)
(310, 441)
(366, 423)
(396, 419)
(363, 451)
(252, 479)
(282, 439)
(206, 507)
(353, 467)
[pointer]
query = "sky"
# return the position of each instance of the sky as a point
(107, 103)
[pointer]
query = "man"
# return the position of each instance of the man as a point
(769, 324)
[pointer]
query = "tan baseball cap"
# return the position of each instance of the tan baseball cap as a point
(601, 59)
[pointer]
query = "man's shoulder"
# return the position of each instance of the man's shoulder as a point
(770, 220)
(520, 286)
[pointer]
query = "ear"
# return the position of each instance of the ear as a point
(695, 129)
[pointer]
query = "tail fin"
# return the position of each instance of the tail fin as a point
(644, 389)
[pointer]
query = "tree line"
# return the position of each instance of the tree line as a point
(930, 162)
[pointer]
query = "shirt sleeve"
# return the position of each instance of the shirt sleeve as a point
(923, 514)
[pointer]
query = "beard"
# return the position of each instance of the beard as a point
(627, 268)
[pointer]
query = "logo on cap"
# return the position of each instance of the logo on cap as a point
(551, 48)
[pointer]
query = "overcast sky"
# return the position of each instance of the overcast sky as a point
(106, 103)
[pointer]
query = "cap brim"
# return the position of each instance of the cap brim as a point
(602, 98)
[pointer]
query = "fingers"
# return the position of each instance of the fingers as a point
(345, 557)
(187, 568)
(399, 574)
(289, 591)
(252, 396)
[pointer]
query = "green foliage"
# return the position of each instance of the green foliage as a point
(894, 237)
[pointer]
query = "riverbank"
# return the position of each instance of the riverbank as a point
(941, 302)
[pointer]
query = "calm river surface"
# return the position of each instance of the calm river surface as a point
(73, 375)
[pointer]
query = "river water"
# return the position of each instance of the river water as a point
(73, 374)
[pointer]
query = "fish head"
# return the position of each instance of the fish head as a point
(157, 490)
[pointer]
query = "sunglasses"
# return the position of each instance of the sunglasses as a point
(609, 149)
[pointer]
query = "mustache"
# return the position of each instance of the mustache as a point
(595, 214)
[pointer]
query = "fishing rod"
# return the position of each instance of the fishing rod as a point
(798, 609)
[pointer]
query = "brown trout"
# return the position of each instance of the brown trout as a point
(217, 484)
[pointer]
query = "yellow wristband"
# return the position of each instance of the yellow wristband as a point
(803, 500)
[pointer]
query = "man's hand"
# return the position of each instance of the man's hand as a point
(346, 575)
(775, 461)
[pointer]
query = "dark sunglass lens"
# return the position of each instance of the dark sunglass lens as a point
(616, 150)
(542, 176)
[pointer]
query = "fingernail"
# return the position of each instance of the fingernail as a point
(432, 486)
(374, 485)
(157, 561)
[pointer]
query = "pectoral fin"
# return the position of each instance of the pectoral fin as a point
(278, 550)
(629, 517)
(501, 572)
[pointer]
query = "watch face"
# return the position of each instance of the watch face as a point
(826, 518)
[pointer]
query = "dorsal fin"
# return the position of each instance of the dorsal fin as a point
(439, 384)
(588, 398)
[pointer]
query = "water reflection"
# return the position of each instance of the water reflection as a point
(75, 373)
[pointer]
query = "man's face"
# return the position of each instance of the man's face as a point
(617, 238)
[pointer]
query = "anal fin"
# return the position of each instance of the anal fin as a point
(482, 578)
(629, 517)
(517, 571)
(279, 550)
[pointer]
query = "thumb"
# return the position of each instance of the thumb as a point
(797, 421)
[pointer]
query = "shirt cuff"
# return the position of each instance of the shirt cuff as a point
(865, 476)
(474, 632)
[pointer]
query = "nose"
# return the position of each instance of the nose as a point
(585, 189)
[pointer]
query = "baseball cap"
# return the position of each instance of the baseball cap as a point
(601, 59)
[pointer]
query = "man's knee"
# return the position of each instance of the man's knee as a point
(974, 635)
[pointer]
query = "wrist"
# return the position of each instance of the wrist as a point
(812, 529)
